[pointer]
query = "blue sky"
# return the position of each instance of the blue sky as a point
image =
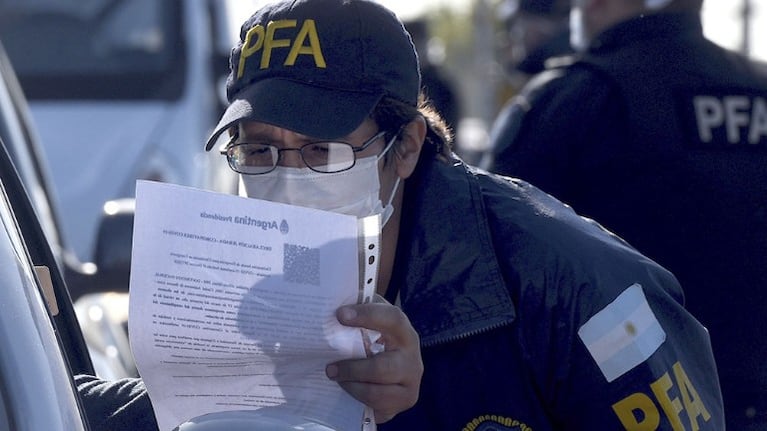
(721, 24)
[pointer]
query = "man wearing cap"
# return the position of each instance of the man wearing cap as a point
(529, 316)
(536, 35)
(535, 32)
(661, 136)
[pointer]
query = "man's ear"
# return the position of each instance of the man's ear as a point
(408, 149)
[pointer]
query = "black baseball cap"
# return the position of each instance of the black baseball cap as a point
(318, 67)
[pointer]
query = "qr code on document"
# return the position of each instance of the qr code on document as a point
(301, 264)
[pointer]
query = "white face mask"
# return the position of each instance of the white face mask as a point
(355, 191)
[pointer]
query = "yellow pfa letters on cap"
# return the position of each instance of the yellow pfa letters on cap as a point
(305, 42)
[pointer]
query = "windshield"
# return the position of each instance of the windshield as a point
(95, 49)
(17, 137)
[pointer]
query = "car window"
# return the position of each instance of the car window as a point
(95, 49)
(15, 133)
(35, 382)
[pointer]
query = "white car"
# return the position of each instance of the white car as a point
(42, 344)
(120, 90)
(95, 292)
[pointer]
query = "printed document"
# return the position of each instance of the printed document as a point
(233, 301)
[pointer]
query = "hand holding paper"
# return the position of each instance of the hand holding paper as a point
(389, 381)
(233, 304)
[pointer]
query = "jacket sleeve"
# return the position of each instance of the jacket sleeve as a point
(642, 362)
(606, 335)
(120, 405)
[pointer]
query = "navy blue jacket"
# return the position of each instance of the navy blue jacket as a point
(498, 278)
(507, 287)
(661, 136)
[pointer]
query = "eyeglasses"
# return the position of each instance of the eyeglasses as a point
(321, 156)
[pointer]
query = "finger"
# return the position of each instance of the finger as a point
(385, 318)
(379, 383)
(384, 368)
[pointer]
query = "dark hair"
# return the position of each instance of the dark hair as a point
(392, 114)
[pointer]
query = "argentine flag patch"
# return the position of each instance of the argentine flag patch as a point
(623, 334)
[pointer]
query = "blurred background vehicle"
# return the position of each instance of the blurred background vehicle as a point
(42, 344)
(120, 90)
(101, 296)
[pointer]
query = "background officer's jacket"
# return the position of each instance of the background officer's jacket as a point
(661, 136)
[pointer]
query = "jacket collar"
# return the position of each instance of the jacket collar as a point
(449, 279)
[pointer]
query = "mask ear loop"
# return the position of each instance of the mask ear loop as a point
(391, 142)
(389, 208)
(388, 147)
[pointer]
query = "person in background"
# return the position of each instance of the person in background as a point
(535, 33)
(437, 86)
(529, 316)
(661, 136)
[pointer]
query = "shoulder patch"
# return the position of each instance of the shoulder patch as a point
(623, 334)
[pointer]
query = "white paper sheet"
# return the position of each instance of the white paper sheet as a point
(233, 300)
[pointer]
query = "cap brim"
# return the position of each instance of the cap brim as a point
(318, 112)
